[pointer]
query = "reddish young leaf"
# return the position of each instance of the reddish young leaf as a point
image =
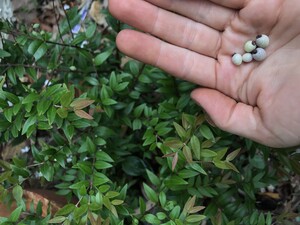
(82, 114)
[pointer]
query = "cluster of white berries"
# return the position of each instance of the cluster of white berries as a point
(254, 50)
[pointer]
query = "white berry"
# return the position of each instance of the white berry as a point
(237, 59)
(247, 57)
(259, 54)
(262, 41)
(249, 46)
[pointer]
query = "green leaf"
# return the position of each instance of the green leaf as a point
(112, 194)
(18, 193)
(41, 51)
(269, 219)
(8, 113)
(5, 165)
(102, 57)
(30, 98)
(79, 184)
(21, 40)
(206, 132)
(101, 155)
(20, 71)
(92, 80)
(206, 153)
(232, 155)
(123, 192)
(66, 99)
(231, 166)
(195, 218)
(2, 81)
(180, 130)
(11, 75)
(109, 206)
(137, 124)
(4, 53)
(150, 193)
(197, 167)
(16, 108)
(32, 72)
(100, 165)
(161, 215)
(142, 205)
(67, 209)
(174, 214)
(100, 141)
(221, 164)
(121, 86)
(133, 166)
(43, 106)
(153, 178)
(117, 202)
(62, 112)
(14, 216)
(4, 176)
(205, 192)
(51, 113)
(195, 144)
(134, 67)
(47, 171)
(11, 97)
(187, 173)
(29, 122)
(58, 219)
(109, 101)
(221, 153)
(139, 110)
(261, 219)
(90, 31)
(174, 181)
(162, 198)
(187, 154)
(44, 126)
(85, 168)
(152, 219)
(36, 154)
(91, 147)
(33, 47)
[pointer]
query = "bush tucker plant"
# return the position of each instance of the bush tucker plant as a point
(123, 142)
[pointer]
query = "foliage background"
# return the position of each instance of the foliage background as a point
(122, 141)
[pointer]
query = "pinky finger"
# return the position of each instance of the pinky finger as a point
(234, 117)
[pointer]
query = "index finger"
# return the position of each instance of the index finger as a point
(180, 62)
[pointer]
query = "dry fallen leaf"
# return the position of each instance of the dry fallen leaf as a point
(9, 151)
(95, 13)
(46, 197)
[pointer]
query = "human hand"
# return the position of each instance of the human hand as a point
(194, 40)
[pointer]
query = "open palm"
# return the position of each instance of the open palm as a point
(194, 40)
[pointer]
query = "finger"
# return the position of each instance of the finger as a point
(234, 4)
(204, 11)
(177, 61)
(236, 118)
(168, 26)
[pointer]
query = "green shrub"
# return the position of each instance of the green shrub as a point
(125, 141)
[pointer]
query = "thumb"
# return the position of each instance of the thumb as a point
(229, 115)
